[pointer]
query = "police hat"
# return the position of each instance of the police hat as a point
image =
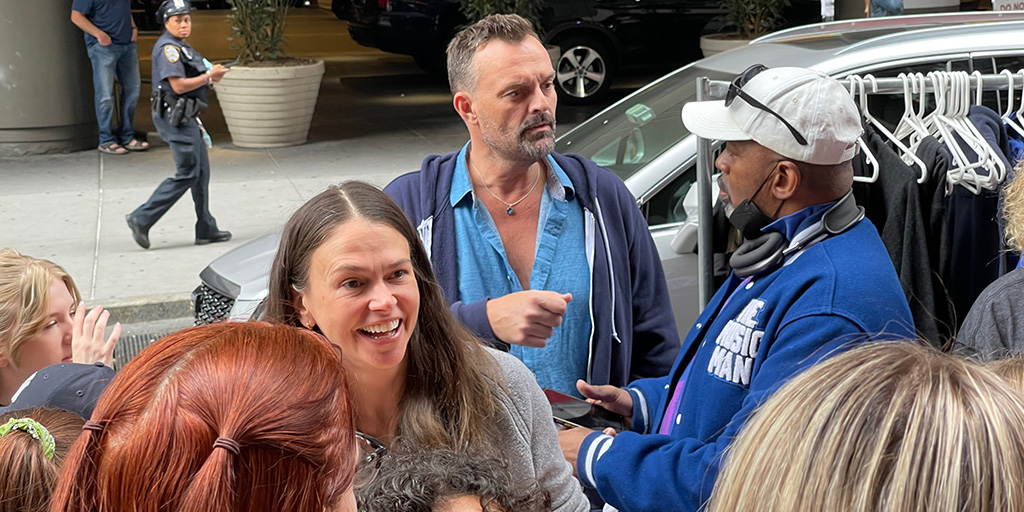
(172, 8)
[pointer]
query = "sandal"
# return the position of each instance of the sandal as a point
(112, 148)
(137, 145)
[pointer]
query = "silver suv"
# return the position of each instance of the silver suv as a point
(642, 139)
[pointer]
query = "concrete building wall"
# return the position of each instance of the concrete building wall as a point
(46, 94)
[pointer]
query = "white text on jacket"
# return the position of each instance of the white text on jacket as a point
(736, 346)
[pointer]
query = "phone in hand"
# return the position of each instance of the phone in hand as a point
(572, 412)
(229, 64)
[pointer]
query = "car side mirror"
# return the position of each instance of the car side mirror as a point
(685, 241)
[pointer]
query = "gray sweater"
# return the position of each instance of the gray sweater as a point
(995, 326)
(533, 451)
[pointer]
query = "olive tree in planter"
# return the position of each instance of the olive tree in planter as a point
(751, 18)
(267, 98)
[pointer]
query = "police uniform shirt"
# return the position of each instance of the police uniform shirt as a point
(173, 57)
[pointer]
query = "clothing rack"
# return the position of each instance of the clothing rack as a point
(708, 90)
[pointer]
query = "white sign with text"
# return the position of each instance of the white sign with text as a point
(1007, 5)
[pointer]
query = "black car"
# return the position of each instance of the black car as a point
(597, 38)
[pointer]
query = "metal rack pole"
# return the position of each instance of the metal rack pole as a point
(705, 253)
(706, 90)
(895, 85)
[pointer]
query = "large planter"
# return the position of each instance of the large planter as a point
(269, 107)
(554, 52)
(718, 43)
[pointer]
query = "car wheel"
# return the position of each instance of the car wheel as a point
(584, 71)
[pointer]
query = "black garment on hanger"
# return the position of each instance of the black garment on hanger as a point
(937, 159)
(977, 256)
(893, 204)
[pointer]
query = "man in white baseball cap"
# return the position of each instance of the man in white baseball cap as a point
(812, 279)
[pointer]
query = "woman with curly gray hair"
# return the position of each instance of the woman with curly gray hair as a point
(446, 481)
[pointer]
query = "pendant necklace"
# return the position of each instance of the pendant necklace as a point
(510, 206)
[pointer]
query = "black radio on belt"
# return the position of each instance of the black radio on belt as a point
(176, 114)
(180, 111)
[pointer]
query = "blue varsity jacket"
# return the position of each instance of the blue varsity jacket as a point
(753, 336)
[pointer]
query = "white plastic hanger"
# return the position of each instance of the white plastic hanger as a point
(869, 157)
(919, 84)
(1007, 116)
(911, 123)
(905, 151)
(1019, 117)
(993, 162)
(960, 92)
(989, 159)
(961, 172)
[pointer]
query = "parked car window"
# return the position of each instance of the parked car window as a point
(630, 134)
(677, 201)
(674, 203)
(993, 65)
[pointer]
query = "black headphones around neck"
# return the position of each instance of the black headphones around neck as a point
(769, 250)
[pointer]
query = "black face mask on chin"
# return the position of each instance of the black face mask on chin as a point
(748, 218)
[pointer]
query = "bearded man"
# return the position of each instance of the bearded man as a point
(541, 254)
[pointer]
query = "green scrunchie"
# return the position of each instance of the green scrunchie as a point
(34, 429)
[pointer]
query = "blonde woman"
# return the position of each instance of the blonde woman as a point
(894, 427)
(43, 322)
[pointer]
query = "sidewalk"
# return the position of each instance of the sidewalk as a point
(377, 117)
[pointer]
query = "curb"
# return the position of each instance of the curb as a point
(147, 308)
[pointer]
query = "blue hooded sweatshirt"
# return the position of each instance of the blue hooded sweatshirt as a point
(634, 333)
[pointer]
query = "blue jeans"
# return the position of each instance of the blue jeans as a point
(880, 8)
(120, 61)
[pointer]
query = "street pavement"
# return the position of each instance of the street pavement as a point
(70, 208)
(377, 117)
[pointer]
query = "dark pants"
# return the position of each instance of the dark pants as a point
(193, 173)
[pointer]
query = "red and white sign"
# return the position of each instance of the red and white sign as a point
(1008, 5)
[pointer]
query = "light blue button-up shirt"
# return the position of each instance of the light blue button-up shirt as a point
(560, 265)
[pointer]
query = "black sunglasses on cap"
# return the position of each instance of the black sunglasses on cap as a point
(736, 91)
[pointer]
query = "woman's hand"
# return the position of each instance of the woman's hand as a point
(217, 72)
(87, 343)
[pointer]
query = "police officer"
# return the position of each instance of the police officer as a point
(181, 78)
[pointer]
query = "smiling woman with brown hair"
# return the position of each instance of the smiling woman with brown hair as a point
(351, 266)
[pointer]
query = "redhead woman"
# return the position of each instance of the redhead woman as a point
(351, 267)
(43, 322)
(219, 418)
